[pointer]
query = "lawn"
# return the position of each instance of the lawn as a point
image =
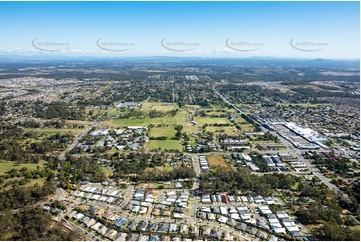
(146, 106)
(208, 120)
(216, 160)
(216, 129)
(7, 166)
(167, 131)
(164, 144)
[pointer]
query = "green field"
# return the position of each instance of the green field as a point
(52, 131)
(240, 120)
(178, 119)
(39, 181)
(168, 132)
(7, 166)
(247, 127)
(114, 111)
(216, 129)
(189, 106)
(207, 120)
(164, 144)
(146, 106)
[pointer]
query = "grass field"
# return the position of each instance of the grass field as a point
(52, 131)
(168, 132)
(227, 130)
(39, 181)
(216, 160)
(247, 127)
(78, 122)
(114, 111)
(355, 227)
(188, 106)
(164, 144)
(189, 128)
(7, 166)
(146, 106)
(207, 120)
(178, 119)
(32, 182)
(240, 120)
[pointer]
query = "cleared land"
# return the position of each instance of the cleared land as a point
(164, 145)
(216, 160)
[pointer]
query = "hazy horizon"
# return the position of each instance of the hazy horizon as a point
(307, 30)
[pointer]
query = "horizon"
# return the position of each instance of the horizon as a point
(330, 30)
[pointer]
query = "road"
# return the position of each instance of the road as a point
(195, 187)
(76, 227)
(75, 143)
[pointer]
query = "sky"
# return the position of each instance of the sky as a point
(205, 29)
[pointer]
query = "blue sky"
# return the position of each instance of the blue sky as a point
(318, 29)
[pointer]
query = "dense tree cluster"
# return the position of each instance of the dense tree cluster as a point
(60, 110)
(13, 147)
(19, 197)
(31, 225)
(242, 180)
(162, 175)
(74, 170)
(328, 213)
(134, 163)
